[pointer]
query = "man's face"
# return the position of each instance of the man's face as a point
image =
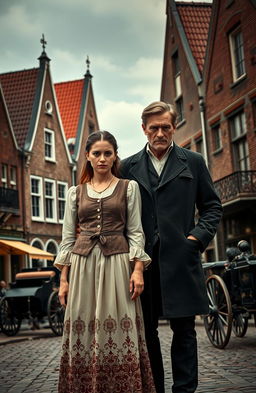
(159, 131)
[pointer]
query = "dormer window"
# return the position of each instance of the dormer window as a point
(49, 145)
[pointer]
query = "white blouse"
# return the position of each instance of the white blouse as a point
(134, 231)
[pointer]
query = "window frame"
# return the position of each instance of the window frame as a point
(13, 179)
(40, 196)
(51, 158)
(233, 49)
(61, 183)
(4, 176)
(216, 129)
(238, 139)
(52, 198)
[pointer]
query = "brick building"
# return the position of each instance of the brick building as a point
(11, 206)
(41, 155)
(209, 73)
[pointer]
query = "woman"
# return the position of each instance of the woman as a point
(103, 348)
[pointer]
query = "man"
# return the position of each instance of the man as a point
(173, 181)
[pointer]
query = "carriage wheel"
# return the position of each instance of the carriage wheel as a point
(240, 325)
(218, 323)
(55, 314)
(9, 322)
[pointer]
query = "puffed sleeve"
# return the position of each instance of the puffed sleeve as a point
(134, 231)
(68, 230)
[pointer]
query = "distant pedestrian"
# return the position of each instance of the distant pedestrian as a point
(3, 288)
(104, 349)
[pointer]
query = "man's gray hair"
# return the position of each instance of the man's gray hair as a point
(159, 107)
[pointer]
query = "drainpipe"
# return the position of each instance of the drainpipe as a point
(202, 117)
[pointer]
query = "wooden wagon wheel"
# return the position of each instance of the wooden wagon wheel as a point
(55, 314)
(218, 323)
(9, 321)
(239, 325)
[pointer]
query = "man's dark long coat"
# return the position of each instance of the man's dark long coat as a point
(185, 184)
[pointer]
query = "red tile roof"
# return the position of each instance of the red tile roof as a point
(69, 97)
(19, 90)
(195, 18)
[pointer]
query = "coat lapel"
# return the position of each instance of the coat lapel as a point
(139, 169)
(176, 163)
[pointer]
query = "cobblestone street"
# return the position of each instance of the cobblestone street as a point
(31, 365)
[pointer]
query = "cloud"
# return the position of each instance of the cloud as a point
(20, 20)
(123, 119)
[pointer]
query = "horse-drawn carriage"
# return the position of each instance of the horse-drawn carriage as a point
(231, 289)
(33, 296)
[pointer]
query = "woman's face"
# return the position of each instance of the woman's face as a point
(101, 156)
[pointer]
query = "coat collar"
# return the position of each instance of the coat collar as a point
(175, 164)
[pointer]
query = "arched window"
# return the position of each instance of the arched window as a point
(36, 262)
(52, 247)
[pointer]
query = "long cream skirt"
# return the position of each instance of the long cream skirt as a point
(103, 345)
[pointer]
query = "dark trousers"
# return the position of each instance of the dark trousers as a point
(184, 343)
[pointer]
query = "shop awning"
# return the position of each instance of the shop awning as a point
(11, 247)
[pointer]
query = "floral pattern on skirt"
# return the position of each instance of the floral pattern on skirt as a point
(110, 362)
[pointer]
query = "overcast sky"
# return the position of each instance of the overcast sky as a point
(125, 43)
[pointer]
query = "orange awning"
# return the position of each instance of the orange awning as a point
(12, 247)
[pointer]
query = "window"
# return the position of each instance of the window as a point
(91, 128)
(178, 89)
(4, 175)
(239, 141)
(200, 146)
(237, 54)
(49, 145)
(216, 137)
(50, 200)
(36, 198)
(13, 177)
(62, 191)
(179, 109)
(254, 114)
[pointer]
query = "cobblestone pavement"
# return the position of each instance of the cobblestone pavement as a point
(31, 365)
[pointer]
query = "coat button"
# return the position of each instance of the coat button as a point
(98, 200)
(98, 216)
(98, 226)
(98, 210)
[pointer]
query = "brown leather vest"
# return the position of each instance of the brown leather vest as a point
(102, 221)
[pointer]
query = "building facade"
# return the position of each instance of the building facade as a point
(37, 161)
(209, 73)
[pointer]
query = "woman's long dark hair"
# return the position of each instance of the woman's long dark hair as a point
(87, 171)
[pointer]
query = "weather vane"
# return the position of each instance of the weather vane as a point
(88, 64)
(43, 42)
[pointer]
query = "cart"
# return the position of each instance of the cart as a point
(33, 296)
(231, 290)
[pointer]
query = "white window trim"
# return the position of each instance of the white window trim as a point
(36, 239)
(54, 242)
(41, 205)
(53, 158)
(232, 55)
(54, 219)
(5, 178)
(65, 198)
(13, 182)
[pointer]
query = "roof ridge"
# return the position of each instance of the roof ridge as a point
(62, 83)
(192, 3)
